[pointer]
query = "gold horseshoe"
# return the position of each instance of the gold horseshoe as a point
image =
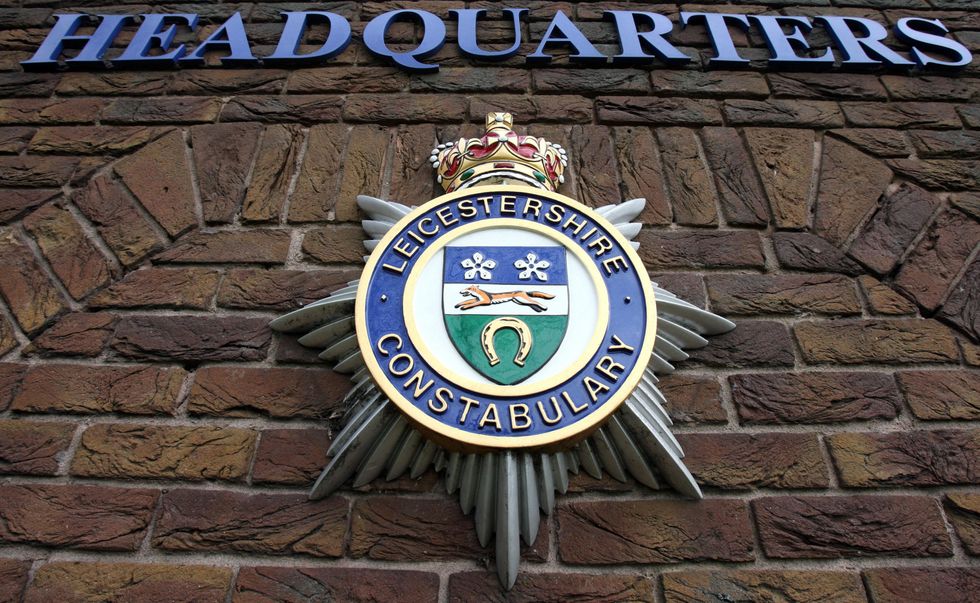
(507, 322)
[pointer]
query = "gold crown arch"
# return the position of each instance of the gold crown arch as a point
(500, 156)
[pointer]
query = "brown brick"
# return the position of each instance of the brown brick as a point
(956, 144)
(340, 243)
(820, 527)
(192, 288)
(653, 531)
(593, 163)
(963, 510)
(32, 448)
(721, 84)
(861, 341)
(741, 196)
(810, 253)
(27, 84)
(272, 173)
(831, 86)
(15, 202)
(75, 259)
(814, 397)
(412, 175)
(316, 185)
(159, 175)
(42, 111)
(942, 395)
(164, 452)
(363, 171)
(694, 249)
(78, 334)
(605, 588)
(657, 111)
(925, 87)
(278, 392)
(940, 174)
(762, 586)
(881, 142)
(10, 378)
(899, 218)
(35, 171)
(301, 584)
(301, 108)
(693, 400)
(230, 246)
(782, 294)
(740, 461)
(14, 140)
(93, 140)
(966, 201)
(8, 340)
(13, 578)
(124, 230)
(793, 113)
(290, 456)
(784, 162)
(171, 109)
(85, 517)
(641, 173)
(962, 307)
(689, 286)
(217, 82)
(75, 581)
(348, 79)
(31, 297)
(467, 79)
(850, 184)
(128, 83)
(222, 156)
(937, 259)
(901, 115)
(192, 338)
(270, 524)
(604, 81)
(78, 388)
(545, 108)
(913, 458)
(923, 585)
(279, 289)
(405, 108)
(688, 183)
(752, 343)
(883, 299)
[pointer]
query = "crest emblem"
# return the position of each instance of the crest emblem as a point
(507, 336)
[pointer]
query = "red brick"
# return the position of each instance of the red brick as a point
(316, 185)
(698, 249)
(270, 524)
(405, 108)
(693, 400)
(77, 388)
(279, 289)
(78, 334)
(796, 586)
(822, 527)
(84, 517)
(741, 461)
(901, 115)
(75, 581)
(302, 108)
(75, 259)
(937, 259)
(782, 294)
(689, 286)
(889, 341)
(641, 173)
(688, 184)
(923, 585)
(31, 297)
(963, 510)
(657, 111)
(720, 84)
(15, 202)
(784, 162)
(912, 458)
(163, 452)
(290, 456)
(127, 233)
(13, 578)
(278, 392)
(170, 109)
(653, 531)
(272, 173)
(230, 246)
(775, 398)
(752, 343)
(850, 185)
(159, 175)
(340, 243)
(191, 288)
(899, 218)
(33, 448)
(484, 586)
(793, 113)
(222, 157)
(301, 584)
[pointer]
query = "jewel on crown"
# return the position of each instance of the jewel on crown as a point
(500, 155)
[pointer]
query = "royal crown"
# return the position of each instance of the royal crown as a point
(498, 156)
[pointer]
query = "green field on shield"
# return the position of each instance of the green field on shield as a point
(547, 331)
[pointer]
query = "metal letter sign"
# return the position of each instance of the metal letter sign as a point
(506, 335)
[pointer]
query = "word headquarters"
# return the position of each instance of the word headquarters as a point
(643, 37)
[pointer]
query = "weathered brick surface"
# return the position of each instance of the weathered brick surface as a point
(76, 261)
(763, 585)
(814, 397)
(128, 234)
(76, 581)
(850, 184)
(78, 334)
(13, 578)
(190, 288)
(882, 299)
(771, 346)
(223, 155)
(741, 461)
(279, 289)
(790, 294)
(692, 399)
(248, 247)
(483, 586)
(296, 585)
(272, 173)
(964, 512)
(922, 458)
(953, 584)
(279, 392)
(889, 232)
(942, 395)
(191, 338)
(30, 295)
(937, 260)
(290, 456)
(33, 448)
(861, 341)
(700, 249)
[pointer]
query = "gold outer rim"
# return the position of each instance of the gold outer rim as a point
(471, 441)
(487, 388)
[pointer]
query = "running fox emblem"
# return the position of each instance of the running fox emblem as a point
(479, 297)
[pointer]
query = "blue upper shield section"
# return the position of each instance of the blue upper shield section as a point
(506, 265)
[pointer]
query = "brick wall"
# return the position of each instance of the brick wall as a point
(157, 439)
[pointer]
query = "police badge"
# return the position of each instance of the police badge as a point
(506, 335)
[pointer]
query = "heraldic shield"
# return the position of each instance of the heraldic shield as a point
(506, 308)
